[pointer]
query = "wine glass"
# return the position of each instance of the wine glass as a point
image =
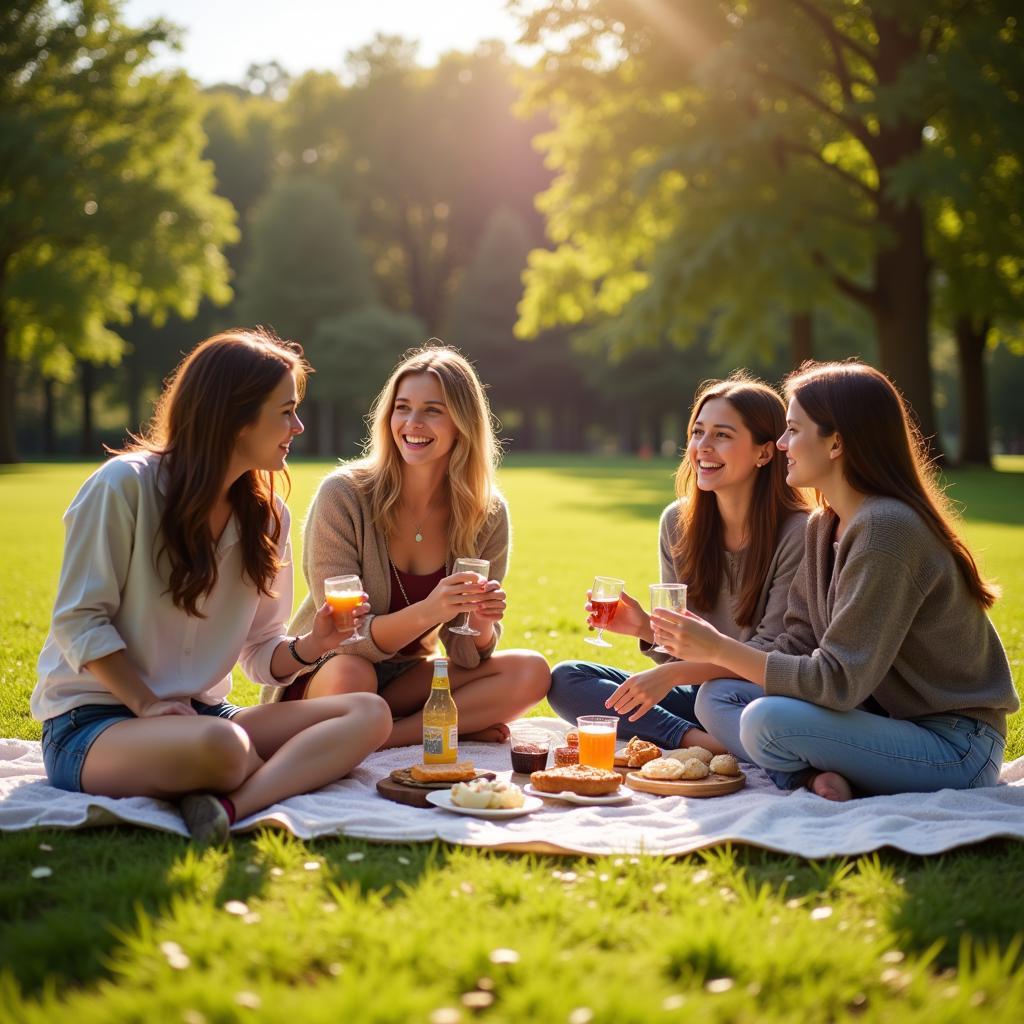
(671, 596)
(604, 600)
(477, 565)
(345, 594)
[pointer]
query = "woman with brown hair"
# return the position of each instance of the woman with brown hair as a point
(734, 535)
(422, 496)
(889, 676)
(177, 565)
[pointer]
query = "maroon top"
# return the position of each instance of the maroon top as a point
(417, 588)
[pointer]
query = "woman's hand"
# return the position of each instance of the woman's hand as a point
(326, 634)
(491, 609)
(629, 618)
(639, 693)
(164, 708)
(686, 636)
(455, 594)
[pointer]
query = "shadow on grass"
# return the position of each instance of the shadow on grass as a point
(64, 930)
(988, 496)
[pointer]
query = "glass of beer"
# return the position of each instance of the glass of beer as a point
(604, 600)
(671, 596)
(597, 740)
(345, 594)
(477, 565)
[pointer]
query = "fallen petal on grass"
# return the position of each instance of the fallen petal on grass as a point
(353, 857)
(312, 865)
(249, 1000)
(820, 913)
(237, 907)
(717, 986)
(445, 1015)
(504, 956)
(477, 1000)
(581, 1015)
(41, 872)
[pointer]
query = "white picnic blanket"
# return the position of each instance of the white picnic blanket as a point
(796, 823)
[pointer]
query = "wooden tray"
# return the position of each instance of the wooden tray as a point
(403, 776)
(415, 794)
(713, 785)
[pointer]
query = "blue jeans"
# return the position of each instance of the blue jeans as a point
(791, 739)
(582, 687)
(68, 737)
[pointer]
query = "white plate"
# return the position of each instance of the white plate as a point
(443, 799)
(575, 798)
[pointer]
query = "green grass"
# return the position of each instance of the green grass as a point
(345, 930)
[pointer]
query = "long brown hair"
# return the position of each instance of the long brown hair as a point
(216, 391)
(472, 489)
(883, 450)
(699, 551)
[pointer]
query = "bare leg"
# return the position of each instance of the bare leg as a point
(831, 786)
(165, 757)
(700, 738)
(497, 691)
(307, 744)
(346, 673)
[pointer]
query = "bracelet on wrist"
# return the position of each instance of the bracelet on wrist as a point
(298, 657)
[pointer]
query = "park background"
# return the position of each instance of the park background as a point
(611, 202)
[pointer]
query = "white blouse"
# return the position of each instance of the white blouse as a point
(111, 597)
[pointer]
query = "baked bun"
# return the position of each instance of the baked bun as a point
(685, 753)
(724, 764)
(666, 768)
(577, 778)
(638, 752)
(566, 756)
(494, 793)
(462, 771)
(695, 768)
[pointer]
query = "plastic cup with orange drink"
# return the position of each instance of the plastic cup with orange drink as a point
(597, 740)
(344, 594)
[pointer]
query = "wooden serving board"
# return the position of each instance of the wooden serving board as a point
(404, 776)
(713, 785)
(415, 795)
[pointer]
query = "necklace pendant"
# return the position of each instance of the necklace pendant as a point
(419, 537)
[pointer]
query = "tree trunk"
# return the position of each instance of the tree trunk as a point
(8, 448)
(49, 416)
(325, 433)
(801, 337)
(134, 380)
(902, 301)
(87, 382)
(970, 350)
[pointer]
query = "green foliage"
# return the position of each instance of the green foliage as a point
(304, 261)
(106, 207)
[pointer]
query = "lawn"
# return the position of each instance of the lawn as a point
(133, 925)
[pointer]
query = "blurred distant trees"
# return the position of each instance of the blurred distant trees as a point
(107, 209)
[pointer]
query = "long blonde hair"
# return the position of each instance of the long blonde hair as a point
(475, 455)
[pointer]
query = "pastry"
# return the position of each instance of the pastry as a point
(577, 778)
(666, 768)
(566, 756)
(462, 771)
(685, 753)
(725, 764)
(695, 768)
(493, 793)
(638, 752)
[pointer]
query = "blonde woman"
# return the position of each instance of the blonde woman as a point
(423, 495)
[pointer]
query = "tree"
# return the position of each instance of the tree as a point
(107, 210)
(764, 149)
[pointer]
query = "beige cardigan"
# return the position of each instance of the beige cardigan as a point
(893, 620)
(339, 537)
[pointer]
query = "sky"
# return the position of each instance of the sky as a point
(223, 37)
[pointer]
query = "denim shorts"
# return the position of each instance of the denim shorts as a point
(68, 737)
(387, 672)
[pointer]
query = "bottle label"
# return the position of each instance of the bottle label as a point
(453, 737)
(433, 740)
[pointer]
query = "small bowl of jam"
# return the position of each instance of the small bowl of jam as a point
(530, 747)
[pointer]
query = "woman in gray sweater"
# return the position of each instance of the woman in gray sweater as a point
(734, 535)
(889, 676)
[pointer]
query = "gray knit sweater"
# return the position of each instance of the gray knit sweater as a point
(339, 537)
(893, 619)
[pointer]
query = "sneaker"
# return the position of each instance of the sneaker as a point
(205, 818)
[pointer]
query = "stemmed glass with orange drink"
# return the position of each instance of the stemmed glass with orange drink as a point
(604, 601)
(344, 594)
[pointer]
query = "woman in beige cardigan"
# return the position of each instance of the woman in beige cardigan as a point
(423, 495)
